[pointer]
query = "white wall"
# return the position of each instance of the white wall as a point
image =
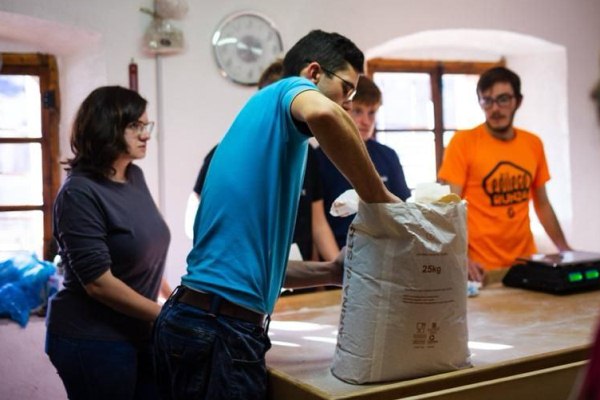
(199, 104)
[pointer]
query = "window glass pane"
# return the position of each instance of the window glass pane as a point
(20, 106)
(407, 101)
(459, 96)
(417, 154)
(21, 231)
(21, 174)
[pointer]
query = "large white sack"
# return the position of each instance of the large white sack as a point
(404, 294)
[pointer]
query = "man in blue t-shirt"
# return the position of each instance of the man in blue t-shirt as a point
(210, 339)
(364, 109)
(312, 231)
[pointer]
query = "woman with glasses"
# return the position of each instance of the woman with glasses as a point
(113, 243)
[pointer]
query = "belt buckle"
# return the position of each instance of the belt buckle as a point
(265, 323)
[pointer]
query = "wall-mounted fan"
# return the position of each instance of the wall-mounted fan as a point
(162, 37)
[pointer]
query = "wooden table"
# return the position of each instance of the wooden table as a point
(524, 345)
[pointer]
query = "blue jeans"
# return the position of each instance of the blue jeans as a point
(102, 369)
(202, 356)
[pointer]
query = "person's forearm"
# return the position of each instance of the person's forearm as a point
(326, 244)
(303, 274)
(165, 289)
(552, 227)
(114, 293)
(548, 219)
(322, 235)
(339, 138)
(341, 142)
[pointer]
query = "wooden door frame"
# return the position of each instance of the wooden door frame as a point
(45, 67)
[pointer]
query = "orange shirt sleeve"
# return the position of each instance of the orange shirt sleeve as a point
(455, 165)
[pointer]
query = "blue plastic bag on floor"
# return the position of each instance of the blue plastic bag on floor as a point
(23, 283)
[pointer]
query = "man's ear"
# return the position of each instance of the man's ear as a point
(519, 101)
(312, 72)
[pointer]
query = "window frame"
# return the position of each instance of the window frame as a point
(45, 67)
(435, 69)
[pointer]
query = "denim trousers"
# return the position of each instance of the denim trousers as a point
(102, 369)
(202, 356)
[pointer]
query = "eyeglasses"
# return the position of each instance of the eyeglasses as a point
(504, 100)
(348, 88)
(141, 127)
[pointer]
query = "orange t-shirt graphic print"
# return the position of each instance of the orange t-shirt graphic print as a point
(497, 178)
(507, 184)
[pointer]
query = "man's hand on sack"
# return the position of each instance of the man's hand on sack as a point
(392, 198)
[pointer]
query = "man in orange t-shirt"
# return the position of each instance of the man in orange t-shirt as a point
(498, 168)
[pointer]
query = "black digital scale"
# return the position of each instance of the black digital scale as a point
(560, 273)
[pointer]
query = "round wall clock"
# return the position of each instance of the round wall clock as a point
(244, 44)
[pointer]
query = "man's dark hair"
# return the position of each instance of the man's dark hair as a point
(97, 137)
(272, 73)
(499, 74)
(331, 50)
(367, 92)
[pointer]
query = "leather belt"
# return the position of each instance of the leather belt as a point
(217, 305)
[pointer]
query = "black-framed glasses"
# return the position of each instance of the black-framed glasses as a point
(504, 100)
(348, 88)
(141, 127)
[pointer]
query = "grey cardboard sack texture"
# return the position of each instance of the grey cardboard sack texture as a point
(404, 293)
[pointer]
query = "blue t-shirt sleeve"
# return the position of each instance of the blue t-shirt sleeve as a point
(296, 86)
